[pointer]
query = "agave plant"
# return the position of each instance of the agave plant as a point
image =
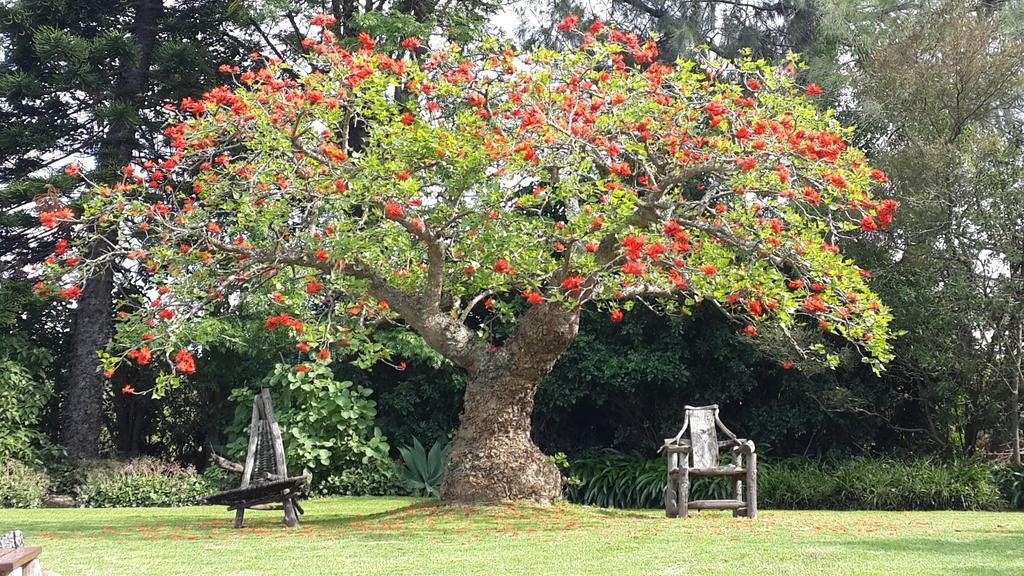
(422, 469)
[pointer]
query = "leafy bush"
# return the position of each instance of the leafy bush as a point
(142, 482)
(879, 484)
(327, 425)
(615, 479)
(21, 486)
(423, 470)
(22, 400)
(1010, 480)
(375, 478)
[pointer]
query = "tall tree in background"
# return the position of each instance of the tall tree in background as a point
(86, 80)
(944, 84)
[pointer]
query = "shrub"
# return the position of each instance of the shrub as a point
(879, 484)
(21, 486)
(142, 482)
(23, 397)
(615, 479)
(423, 470)
(326, 424)
(379, 477)
(1010, 480)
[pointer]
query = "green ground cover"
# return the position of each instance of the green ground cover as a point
(400, 536)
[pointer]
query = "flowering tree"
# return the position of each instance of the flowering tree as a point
(488, 187)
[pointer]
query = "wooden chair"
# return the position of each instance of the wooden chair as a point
(698, 456)
(265, 479)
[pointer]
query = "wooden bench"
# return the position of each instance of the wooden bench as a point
(20, 561)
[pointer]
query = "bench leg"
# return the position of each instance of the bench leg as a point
(290, 519)
(32, 569)
(239, 515)
(684, 492)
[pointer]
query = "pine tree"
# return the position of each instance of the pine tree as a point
(81, 80)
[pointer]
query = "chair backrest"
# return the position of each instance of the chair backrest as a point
(703, 436)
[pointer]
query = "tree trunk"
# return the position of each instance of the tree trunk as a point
(493, 458)
(82, 412)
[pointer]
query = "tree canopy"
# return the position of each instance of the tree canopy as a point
(571, 176)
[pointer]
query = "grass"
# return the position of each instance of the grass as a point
(399, 536)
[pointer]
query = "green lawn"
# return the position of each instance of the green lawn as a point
(391, 536)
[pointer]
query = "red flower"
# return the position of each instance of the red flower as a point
(411, 44)
(313, 287)
(393, 211)
(302, 347)
(128, 389)
(754, 84)
(570, 22)
(750, 331)
(323, 354)
(213, 228)
(813, 90)
(403, 175)
(408, 118)
(633, 268)
(501, 266)
(367, 42)
(321, 255)
(70, 293)
(476, 99)
(184, 362)
(708, 270)
(533, 297)
(142, 356)
(868, 224)
(787, 364)
(616, 316)
(573, 283)
(622, 169)
(73, 170)
(323, 20)
(596, 27)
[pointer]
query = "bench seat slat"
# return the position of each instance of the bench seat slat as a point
(17, 557)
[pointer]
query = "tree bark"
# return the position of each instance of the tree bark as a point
(493, 458)
(82, 412)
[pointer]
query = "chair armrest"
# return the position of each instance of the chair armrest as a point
(743, 446)
(675, 445)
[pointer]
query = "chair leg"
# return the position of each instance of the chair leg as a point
(752, 486)
(672, 486)
(737, 494)
(684, 492)
(290, 519)
(239, 515)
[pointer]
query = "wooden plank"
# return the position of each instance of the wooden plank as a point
(684, 491)
(290, 518)
(250, 457)
(716, 504)
(17, 557)
(671, 490)
(703, 438)
(752, 485)
(729, 471)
